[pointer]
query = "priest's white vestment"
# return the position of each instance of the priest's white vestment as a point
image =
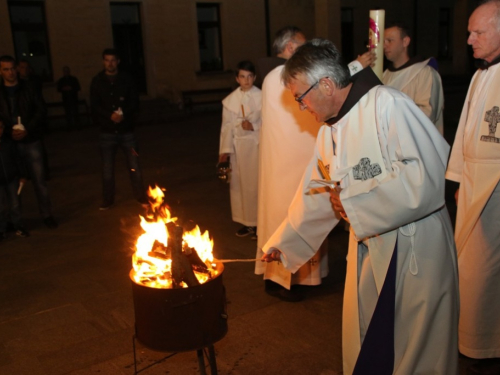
(475, 164)
(422, 83)
(243, 145)
(288, 136)
(390, 161)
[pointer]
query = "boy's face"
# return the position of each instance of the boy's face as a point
(245, 79)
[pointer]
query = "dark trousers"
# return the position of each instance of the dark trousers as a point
(10, 205)
(32, 153)
(109, 144)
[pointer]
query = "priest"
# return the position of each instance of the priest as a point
(475, 164)
(379, 163)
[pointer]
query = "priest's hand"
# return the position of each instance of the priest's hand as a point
(274, 255)
(247, 125)
(335, 199)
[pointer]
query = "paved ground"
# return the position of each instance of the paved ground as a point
(65, 296)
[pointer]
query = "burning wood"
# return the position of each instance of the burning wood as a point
(181, 267)
(166, 257)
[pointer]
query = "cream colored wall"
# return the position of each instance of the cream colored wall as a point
(78, 31)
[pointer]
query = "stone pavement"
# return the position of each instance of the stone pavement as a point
(65, 296)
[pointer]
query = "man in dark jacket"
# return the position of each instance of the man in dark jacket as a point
(69, 86)
(12, 174)
(114, 101)
(22, 111)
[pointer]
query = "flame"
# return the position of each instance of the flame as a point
(151, 263)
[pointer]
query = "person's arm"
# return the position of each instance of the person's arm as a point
(229, 121)
(132, 99)
(414, 188)
(361, 62)
(32, 124)
(97, 108)
(309, 220)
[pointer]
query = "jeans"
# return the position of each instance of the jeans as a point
(32, 154)
(109, 143)
(10, 205)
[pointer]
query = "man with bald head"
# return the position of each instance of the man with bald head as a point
(475, 164)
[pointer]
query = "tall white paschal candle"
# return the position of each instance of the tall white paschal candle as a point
(376, 39)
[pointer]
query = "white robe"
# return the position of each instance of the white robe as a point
(475, 164)
(287, 143)
(407, 205)
(243, 145)
(422, 83)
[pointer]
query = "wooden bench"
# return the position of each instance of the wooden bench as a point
(204, 97)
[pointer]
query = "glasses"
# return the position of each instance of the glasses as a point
(300, 98)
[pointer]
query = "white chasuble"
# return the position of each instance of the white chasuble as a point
(243, 147)
(475, 164)
(389, 160)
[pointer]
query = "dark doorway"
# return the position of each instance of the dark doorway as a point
(127, 38)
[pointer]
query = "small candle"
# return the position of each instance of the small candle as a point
(376, 39)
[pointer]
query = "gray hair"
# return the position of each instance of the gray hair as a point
(283, 36)
(316, 59)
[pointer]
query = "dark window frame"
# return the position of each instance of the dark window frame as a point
(204, 25)
(32, 27)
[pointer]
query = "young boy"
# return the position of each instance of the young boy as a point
(12, 173)
(239, 143)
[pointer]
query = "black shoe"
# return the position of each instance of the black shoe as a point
(245, 231)
(50, 222)
(21, 232)
(105, 206)
(276, 290)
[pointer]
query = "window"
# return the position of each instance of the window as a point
(127, 38)
(209, 37)
(27, 19)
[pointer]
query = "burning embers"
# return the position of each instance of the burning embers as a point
(166, 257)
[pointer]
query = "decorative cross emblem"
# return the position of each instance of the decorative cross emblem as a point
(365, 170)
(492, 117)
(313, 262)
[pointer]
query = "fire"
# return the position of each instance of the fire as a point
(152, 263)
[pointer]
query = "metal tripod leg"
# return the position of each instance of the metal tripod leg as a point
(201, 362)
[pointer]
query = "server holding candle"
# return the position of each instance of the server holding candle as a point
(239, 143)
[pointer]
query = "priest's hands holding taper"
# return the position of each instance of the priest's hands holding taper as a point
(274, 255)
